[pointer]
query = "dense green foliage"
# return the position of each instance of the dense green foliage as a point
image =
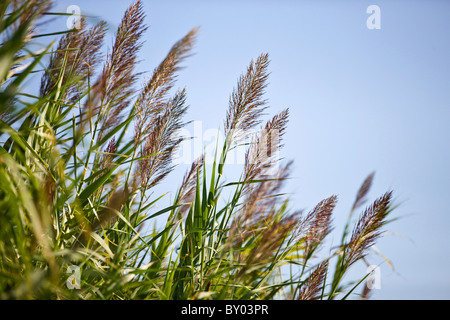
(76, 186)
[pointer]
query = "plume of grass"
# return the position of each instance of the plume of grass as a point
(319, 224)
(362, 192)
(161, 142)
(368, 229)
(76, 56)
(365, 233)
(115, 85)
(246, 102)
(154, 94)
(261, 156)
(312, 287)
(260, 183)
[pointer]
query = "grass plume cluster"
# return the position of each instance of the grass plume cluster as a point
(77, 190)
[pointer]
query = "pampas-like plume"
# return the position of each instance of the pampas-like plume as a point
(363, 191)
(367, 230)
(161, 142)
(153, 96)
(115, 85)
(246, 104)
(75, 59)
(312, 286)
(260, 157)
(317, 224)
(262, 186)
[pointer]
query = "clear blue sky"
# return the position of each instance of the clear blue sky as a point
(361, 100)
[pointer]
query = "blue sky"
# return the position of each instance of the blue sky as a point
(361, 100)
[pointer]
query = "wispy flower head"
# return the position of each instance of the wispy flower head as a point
(368, 229)
(246, 102)
(115, 85)
(312, 286)
(318, 221)
(161, 142)
(262, 154)
(75, 59)
(363, 191)
(153, 96)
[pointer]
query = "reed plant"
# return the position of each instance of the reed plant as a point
(80, 162)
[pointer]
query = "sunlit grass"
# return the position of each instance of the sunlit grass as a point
(76, 186)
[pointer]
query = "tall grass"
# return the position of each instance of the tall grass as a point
(76, 189)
